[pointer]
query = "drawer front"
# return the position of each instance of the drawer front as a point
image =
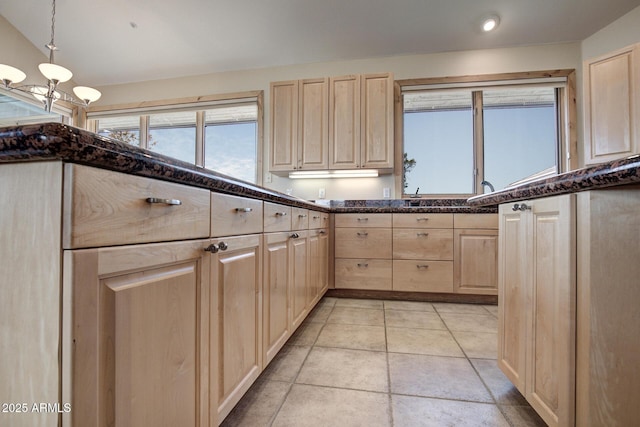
(423, 276)
(486, 221)
(374, 274)
(363, 220)
(299, 219)
(105, 208)
(318, 219)
(363, 243)
(234, 215)
(417, 243)
(276, 217)
(423, 220)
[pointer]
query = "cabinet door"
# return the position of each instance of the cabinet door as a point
(139, 335)
(512, 294)
(284, 126)
(344, 122)
(313, 124)
(475, 262)
(276, 291)
(323, 260)
(299, 259)
(236, 277)
(612, 105)
(377, 121)
(551, 343)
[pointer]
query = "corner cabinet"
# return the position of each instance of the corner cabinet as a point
(361, 121)
(612, 105)
(537, 303)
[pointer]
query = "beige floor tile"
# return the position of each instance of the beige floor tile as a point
(327, 302)
(408, 305)
(306, 334)
(470, 322)
(337, 367)
(413, 319)
(504, 392)
(523, 416)
(360, 303)
(409, 411)
(287, 363)
(319, 314)
(480, 345)
(445, 307)
(422, 341)
(259, 405)
(358, 337)
(492, 309)
(435, 376)
(356, 316)
(311, 406)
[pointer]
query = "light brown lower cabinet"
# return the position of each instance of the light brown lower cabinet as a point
(236, 320)
(299, 273)
(537, 297)
(475, 261)
(137, 340)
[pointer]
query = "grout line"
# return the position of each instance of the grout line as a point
(386, 352)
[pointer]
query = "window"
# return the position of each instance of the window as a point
(18, 109)
(461, 138)
(220, 133)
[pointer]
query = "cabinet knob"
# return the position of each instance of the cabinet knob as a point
(521, 207)
(156, 200)
(212, 248)
(223, 246)
(294, 236)
(322, 232)
(243, 210)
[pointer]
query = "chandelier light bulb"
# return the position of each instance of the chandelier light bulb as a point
(55, 72)
(9, 74)
(87, 94)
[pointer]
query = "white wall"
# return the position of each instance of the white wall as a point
(622, 32)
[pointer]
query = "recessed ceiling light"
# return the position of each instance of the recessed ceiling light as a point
(490, 23)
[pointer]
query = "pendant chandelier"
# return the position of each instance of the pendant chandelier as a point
(55, 74)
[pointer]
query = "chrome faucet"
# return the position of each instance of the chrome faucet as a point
(487, 183)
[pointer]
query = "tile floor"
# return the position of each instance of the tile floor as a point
(374, 363)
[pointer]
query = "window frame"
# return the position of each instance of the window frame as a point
(567, 157)
(197, 104)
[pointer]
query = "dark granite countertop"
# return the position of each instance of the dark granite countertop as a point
(612, 174)
(55, 141)
(408, 206)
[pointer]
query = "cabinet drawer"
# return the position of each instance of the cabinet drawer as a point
(299, 219)
(105, 208)
(423, 220)
(363, 243)
(486, 221)
(416, 243)
(318, 219)
(363, 220)
(423, 276)
(234, 215)
(363, 274)
(276, 217)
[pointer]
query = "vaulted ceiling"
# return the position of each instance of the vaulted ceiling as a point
(117, 41)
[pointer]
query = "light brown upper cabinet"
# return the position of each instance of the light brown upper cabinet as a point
(361, 121)
(299, 125)
(612, 105)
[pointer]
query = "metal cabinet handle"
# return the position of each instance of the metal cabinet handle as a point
(422, 266)
(362, 234)
(243, 210)
(294, 236)
(172, 202)
(315, 217)
(212, 248)
(521, 207)
(362, 219)
(422, 234)
(223, 246)
(322, 232)
(302, 216)
(424, 218)
(363, 264)
(281, 214)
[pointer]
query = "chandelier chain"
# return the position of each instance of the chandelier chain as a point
(53, 21)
